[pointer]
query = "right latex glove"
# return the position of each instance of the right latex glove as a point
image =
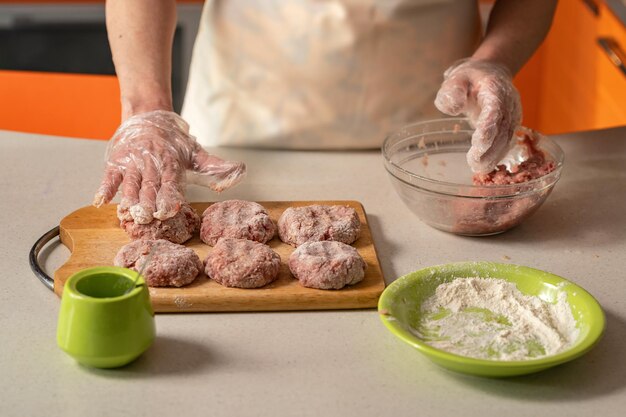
(148, 155)
(484, 92)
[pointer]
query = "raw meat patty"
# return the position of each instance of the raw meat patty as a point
(327, 265)
(237, 219)
(177, 229)
(172, 265)
(242, 263)
(314, 223)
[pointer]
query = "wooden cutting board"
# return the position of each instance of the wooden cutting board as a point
(94, 238)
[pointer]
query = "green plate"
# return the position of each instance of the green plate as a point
(399, 309)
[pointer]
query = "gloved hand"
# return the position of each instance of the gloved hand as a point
(484, 92)
(148, 155)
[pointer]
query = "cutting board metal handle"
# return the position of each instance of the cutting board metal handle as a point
(34, 255)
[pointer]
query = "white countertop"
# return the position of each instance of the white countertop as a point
(327, 363)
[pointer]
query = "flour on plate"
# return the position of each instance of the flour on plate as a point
(490, 318)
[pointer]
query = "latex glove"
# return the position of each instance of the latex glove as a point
(484, 92)
(149, 155)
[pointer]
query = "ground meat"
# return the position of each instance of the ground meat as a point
(242, 263)
(485, 215)
(237, 219)
(314, 223)
(172, 265)
(327, 265)
(177, 229)
(535, 166)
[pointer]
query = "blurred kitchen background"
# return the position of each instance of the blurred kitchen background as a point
(57, 77)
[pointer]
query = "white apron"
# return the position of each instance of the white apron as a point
(321, 74)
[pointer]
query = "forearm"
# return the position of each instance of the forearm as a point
(141, 34)
(515, 30)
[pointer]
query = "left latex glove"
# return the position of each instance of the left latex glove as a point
(484, 92)
(148, 156)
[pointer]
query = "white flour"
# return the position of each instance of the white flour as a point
(491, 319)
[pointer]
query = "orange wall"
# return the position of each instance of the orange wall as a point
(75, 105)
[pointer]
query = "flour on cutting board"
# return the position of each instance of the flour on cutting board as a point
(491, 319)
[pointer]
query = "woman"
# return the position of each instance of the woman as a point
(306, 74)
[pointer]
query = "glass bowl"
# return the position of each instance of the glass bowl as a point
(427, 166)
